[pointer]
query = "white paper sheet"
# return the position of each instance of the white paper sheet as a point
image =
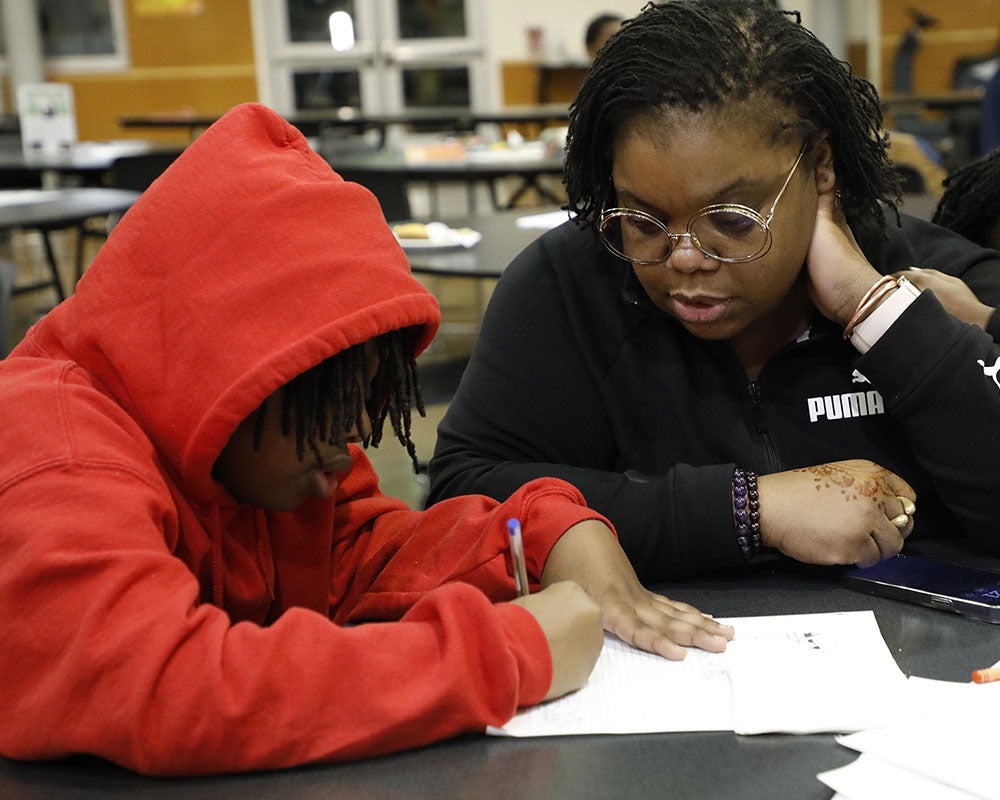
(781, 661)
(826, 672)
(953, 743)
(631, 691)
(869, 778)
(939, 745)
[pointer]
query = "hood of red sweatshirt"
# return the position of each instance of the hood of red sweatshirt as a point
(246, 263)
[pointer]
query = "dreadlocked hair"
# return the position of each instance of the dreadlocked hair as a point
(696, 55)
(970, 204)
(325, 402)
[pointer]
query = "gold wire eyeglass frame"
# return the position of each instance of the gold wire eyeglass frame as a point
(764, 222)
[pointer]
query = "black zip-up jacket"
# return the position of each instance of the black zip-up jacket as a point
(576, 374)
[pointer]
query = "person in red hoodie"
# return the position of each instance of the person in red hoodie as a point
(190, 531)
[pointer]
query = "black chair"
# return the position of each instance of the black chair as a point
(390, 189)
(138, 170)
(912, 180)
(974, 72)
(20, 179)
(7, 271)
(10, 142)
(336, 146)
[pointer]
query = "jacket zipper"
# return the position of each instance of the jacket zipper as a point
(773, 463)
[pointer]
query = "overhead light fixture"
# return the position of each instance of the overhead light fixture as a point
(341, 31)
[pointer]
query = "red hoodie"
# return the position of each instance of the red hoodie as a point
(148, 618)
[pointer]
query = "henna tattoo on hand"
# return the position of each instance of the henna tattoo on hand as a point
(854, 483)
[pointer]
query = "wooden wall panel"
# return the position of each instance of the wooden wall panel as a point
(101, 100)
(964, 28)
(951, 14)
(219, 34)
(203, 62)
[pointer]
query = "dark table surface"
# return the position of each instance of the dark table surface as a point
(925, 642)
(60, 208)
(486, 167)
(954, 98)
(46, 210)
(490, 165)
(312, 122)
(83, 158)
(502, 241)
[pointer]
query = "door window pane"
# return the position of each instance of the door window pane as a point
(436, 86)
(406, 54)
(76, 28)
(421, 19)
(309, 20)
(327, 89)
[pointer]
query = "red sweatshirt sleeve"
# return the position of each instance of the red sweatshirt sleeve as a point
(105, 649)
(386, 560)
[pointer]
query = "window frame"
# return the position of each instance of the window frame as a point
(378, 58)
(117, 61)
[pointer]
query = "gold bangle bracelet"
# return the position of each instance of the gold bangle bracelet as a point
(882, 288)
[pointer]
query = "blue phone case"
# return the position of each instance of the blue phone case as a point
(971, 591)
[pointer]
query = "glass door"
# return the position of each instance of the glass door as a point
(369, 56)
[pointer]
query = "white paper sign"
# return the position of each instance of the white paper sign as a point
(48, 118)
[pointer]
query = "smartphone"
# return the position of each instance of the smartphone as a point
(971, 591)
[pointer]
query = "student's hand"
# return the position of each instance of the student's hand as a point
(954, 294)
(589, 554)
(571, 622)
(839, 274)
(836, 513)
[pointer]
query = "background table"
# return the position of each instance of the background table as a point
(502, 240)
(937, 101)
(367, 167)
(925, 642)
(86, 161)
(48, 210)
(313, 123)
(441, 369)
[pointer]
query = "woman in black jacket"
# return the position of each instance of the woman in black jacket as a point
(718, 352)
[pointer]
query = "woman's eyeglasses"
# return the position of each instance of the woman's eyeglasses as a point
(728, 232)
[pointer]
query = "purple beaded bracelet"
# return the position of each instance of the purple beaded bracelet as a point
(746, 511)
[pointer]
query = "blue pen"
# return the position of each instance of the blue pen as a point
(517, 557)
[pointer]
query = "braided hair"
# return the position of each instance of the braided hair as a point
(323, 403)
(970, 204)
(696, 55)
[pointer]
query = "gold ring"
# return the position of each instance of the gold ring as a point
(901, 521)
(909, 507)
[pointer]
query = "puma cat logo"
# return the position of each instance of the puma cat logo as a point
(991, 372)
